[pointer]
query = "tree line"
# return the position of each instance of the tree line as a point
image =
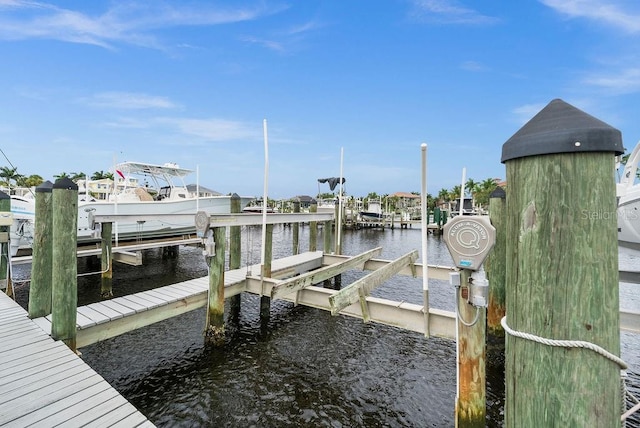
(9, 177)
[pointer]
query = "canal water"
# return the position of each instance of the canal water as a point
(305, 368)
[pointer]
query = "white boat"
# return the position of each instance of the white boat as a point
(628, 194)
(155, 192)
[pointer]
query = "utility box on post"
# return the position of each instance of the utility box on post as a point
(469, 240)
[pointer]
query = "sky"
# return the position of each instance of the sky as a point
(343, 86)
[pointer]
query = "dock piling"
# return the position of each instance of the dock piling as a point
(235, 255)
(5, 267)
(562, 271)
(64, 261)
(214, 330)
(106, 261)
(42, 254)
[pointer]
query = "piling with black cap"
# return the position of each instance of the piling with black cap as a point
(64, 265)
(5, 273)
(562, 271)
(42, 253)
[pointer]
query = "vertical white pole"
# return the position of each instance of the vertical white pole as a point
(197, 188)
(424, 223)
(264, 195)
(339, 225)
(464, 178)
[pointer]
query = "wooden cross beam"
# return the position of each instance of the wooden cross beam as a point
(319, 275)
(358, 290)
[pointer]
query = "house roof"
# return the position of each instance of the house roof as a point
(405, 195)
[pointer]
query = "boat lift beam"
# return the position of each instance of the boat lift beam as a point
(358, 290)
(322, 274)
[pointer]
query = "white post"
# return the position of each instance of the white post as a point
(424, 223)
(339, 223)
(464, 178)
(264, 195)
(197, 188)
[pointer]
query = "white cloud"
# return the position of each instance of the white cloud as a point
(623, 81)
(474, 66)
(449, 12)
(615, 13)
(127, 100)
(214, 129)
(128, 23)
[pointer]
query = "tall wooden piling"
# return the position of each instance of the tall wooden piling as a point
(235, 255)
(296, 228)
(214, 330)
(562, 271)
(495, 265)
(265, 298)
(106, 260)
(64, 273)
(42, 254)
(313, 228)
(470, 411)
(5, 273)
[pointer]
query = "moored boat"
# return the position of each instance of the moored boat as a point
(160, 189)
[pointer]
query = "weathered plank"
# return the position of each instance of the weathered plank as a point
(352, 293)
(319, 275)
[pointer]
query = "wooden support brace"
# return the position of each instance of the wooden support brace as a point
(319, 275)
(351, 294)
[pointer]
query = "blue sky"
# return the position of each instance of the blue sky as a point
(84, 83)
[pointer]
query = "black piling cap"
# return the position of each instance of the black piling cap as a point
(562, 128)
(65, 183)
(498, 192)
(45, 187)
(4, 195)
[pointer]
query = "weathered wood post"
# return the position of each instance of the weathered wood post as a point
(471, 403)
(296, 228)
(64, 275)
(313, 228)
(562, 271)
(42, 254)
(5, 273)
(326, 238)
(106, 261)
(495, 266)
(214, 330)
(265, 298)
(235, 255)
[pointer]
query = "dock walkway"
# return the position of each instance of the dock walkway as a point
(44, 384)
(109, 318)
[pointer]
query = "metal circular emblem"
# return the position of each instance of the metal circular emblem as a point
(470, 238)
(202, 221)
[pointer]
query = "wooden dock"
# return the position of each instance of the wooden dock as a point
(43, 383)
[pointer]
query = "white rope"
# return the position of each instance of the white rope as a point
(564, 343)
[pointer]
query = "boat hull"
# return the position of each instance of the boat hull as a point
(24, 218)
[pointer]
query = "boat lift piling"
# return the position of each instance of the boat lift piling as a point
(235, 255)
(42, 261)
(5, 251)
(64, 277)
(562, 301)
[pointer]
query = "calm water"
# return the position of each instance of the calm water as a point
(306, 368)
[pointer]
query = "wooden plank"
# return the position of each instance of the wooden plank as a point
(92, 314)
(152, 300)
(33, 365)
(47, 377)
(319, 275)
(83, 321)
(22, 341)
(62, 410)
(118, 307)
(135, 419)
(47, 346)
(134, 304)
(44, 324)
(144, 301)
(165, 294)
(105, 402)
(17, 330)
(105, 310)
(48, 395)
(113, 409)
(351, 294)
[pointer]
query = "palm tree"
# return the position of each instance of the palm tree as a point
(8, 174)
(101, 175)
(62, 175)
